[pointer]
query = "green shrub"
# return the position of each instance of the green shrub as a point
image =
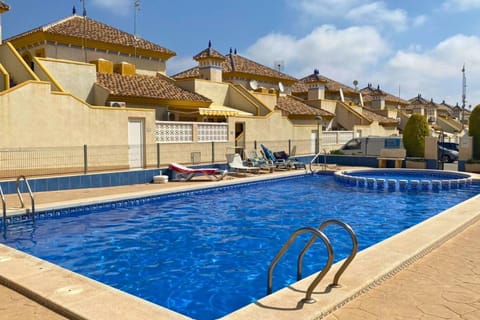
(474, 131)
(414, 135)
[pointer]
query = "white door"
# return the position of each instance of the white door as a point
(135, 143)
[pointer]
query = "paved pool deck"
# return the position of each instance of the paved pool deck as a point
(443, 284)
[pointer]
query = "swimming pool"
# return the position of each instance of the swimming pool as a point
(222, 237)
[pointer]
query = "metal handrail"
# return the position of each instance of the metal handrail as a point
(317, 234)
(324, 159)
(312, 161)
(315, 158)
(29, 191)
(347, 261)
(4, 205)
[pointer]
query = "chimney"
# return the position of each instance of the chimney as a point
(316, 87)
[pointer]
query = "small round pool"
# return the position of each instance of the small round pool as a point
(404, 179)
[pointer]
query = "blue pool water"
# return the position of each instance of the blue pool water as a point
(405, 174)
(206, 253)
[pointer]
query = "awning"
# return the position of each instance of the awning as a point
(216, 110)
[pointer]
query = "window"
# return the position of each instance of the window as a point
(354, 144)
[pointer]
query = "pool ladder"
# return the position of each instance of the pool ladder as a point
(316, 233)
(29, 192)
(22, 203)
(324, 165)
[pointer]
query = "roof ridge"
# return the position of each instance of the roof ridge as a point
(277, 73)
(55, 23)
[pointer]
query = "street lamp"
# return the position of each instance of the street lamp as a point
(319, 120)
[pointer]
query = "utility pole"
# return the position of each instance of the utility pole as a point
(464, 94)
(84, 40)
(136, 6)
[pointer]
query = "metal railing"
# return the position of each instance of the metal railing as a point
(32, 199)
(44, 161)
(344, 266)
(326, 268)
(316, 233)
(4, 206)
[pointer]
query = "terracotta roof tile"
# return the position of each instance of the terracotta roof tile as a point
(209, 53)
(372, 116)
(294, 106)
(143, 86)
(192, 73)
(237, 63)
(75, 27)
(445, 107)
(419, 100)
(4, 7)
(368, 93)
(302, 85)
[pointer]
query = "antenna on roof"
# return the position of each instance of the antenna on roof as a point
(209, 43)
(253, 84)
(74, 11)
(464, 95)
(84, 9)
(136, 6)
(84, 39)
(235, 52)
(279, 65)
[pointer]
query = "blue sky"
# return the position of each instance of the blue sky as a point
(407, 47)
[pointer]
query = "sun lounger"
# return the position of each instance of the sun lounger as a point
(254, 160)
(292, 160)
(279, 163)
(185, 173)
(236, 164)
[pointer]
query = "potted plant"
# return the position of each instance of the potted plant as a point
(414, 135)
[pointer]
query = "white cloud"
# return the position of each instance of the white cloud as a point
(419, 20)
(460, 5)
(362, 12)
(436, 73)
(117, 7)
(378, 14)
(343, 54)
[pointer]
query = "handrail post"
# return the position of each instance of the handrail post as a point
(30, 193)
(85, 159)
(213, 152)
(158, 154)
(4, 205)
(345, 264)
(325, 159)
(317, 234)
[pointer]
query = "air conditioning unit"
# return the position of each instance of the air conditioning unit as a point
(117, 104)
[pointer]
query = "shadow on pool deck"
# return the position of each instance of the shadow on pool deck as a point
(443, 284)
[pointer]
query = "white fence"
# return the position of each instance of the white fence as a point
(330, 138)
(187, 132)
